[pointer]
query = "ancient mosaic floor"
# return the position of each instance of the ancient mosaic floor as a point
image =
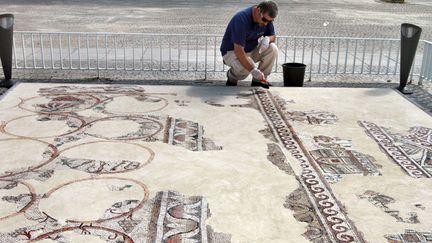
(120, 163)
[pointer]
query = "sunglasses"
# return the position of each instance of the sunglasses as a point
(263, 19)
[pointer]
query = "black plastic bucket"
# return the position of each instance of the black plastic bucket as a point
(293, 74)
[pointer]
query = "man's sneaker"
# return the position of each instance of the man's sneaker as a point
(229, 83)
(255, 83)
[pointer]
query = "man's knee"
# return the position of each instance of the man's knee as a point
(273, 49)
(235, 74)
(271, 52)
(244, 72)
(240, 74)
(238, 71)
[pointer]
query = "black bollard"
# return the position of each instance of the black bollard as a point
(410, 36)
(6, 40)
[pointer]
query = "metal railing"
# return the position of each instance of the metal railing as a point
(426, 68)
(200, 53)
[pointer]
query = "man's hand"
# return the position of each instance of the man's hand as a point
(264, 44)
(257, 74)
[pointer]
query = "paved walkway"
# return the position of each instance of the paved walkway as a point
(347, 18)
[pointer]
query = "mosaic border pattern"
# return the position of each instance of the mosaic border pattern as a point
(385, 141)
(330, 211)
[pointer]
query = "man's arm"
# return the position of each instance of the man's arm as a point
(241, 56)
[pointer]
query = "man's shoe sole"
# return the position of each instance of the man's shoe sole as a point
(228, 83)
(261, 84)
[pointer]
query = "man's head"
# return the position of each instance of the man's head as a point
(266, 12)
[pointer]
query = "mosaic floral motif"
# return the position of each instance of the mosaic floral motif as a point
(169, 217)
(64, 103)
(70, 122)
(312, 117)
(381, 201)
(59, 141)
(304, 212)
(120, 208)
(309, 117)
(182, 102)
(410, 236)
(43, 226)
(103, 89)
(42, 175)
(56, 162)
(148, 127)
(177, 132)
(42, 222)
(7, 185)
(151, 128)
(418, 205)
(146, 98)
(99, 166)
(336, 157)
(181, 218)
(77, 98)
(49, 154)
(153, 103)
(73, 122)
(213, 103)
(412, 152)
(23, 199)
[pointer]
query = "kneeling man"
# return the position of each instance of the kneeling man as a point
(249, 39)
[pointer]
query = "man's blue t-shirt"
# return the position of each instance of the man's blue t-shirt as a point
(243, 31)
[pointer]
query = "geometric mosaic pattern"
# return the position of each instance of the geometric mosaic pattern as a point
(337, 158)
(410, 236)
(412, 152)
